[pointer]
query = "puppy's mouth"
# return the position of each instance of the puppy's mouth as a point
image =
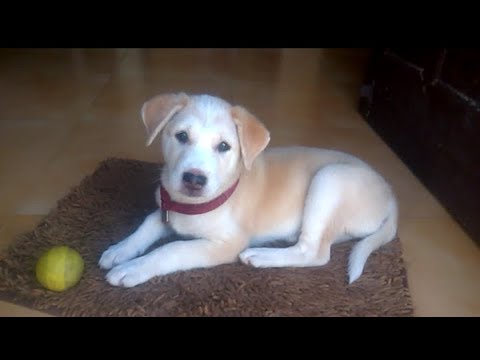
(192, 191)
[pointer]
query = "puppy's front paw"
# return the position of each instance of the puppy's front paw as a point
(129, 274)
(259, 257)
(116, 254)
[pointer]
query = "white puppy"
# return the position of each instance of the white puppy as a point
(222, 189)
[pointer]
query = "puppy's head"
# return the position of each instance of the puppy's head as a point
(206, 143)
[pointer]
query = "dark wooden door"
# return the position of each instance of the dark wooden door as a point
(425, 103)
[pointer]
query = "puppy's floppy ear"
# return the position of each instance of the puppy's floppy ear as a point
(253, 135)
(157, 111)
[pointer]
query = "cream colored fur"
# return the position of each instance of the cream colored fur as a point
(312, 197)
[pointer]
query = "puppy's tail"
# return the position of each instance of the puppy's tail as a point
(362, 250)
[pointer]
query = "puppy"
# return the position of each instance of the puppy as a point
(222, 189)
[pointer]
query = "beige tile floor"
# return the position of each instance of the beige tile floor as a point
(63, 111)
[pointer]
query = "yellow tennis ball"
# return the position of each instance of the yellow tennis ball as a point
(59, 268)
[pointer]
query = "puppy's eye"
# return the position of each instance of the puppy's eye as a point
(223, 147)
(182, 137)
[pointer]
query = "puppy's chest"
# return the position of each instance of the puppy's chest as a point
(199, 226)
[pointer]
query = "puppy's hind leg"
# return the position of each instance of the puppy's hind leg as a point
(317, 232)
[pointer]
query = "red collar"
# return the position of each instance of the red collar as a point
(193, 209)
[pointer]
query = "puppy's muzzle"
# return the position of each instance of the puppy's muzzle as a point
(194, 180)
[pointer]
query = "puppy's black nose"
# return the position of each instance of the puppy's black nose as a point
(194, 179)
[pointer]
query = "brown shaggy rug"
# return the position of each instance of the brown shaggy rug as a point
(113, 201)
